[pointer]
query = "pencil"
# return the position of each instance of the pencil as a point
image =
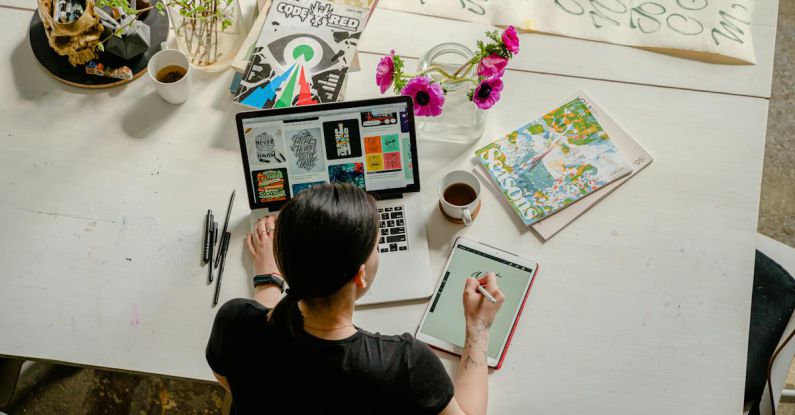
(222, 255)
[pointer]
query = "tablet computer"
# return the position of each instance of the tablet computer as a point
(443, 325)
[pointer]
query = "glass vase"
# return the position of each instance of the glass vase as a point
(209, 43)
(461, 120)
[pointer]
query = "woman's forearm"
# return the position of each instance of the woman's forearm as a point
(471, 382)
(267, 295)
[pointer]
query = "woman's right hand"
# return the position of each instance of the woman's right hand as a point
(477, 308)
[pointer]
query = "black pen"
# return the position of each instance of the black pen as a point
(222, 255)
(213, 238)
(226, 224)
(208, 227)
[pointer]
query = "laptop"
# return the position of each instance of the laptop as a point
(371, 144)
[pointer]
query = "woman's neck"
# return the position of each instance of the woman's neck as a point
(333, 323)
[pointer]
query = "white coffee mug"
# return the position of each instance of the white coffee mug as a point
(173, 92)
(465, 206)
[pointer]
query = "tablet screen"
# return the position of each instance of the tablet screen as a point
(445, 318)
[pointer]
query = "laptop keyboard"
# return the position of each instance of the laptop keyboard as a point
(393, 237)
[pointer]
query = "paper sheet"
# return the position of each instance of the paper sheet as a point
(716, 30)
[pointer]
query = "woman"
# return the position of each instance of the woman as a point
(304, 355)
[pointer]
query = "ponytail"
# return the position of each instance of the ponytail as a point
(286, 315)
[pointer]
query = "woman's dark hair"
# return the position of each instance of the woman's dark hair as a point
(322, 237)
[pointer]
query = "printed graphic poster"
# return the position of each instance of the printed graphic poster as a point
(302, 54)
(718, 29)
(304, 151)
(347, 173)
(377, 119)
(270, 185)
(342, 139)
(300, 187)
(268, 146)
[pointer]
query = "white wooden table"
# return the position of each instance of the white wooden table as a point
(642, 302)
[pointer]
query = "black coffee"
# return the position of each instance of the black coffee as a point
(171, 73)
(460, 194)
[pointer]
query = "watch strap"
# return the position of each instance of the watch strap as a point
(264, 279)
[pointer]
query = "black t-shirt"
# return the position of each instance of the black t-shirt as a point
(271, 372)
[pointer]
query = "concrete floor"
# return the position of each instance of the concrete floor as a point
(51, 389)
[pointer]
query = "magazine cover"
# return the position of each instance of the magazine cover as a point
(302, 54)
(553, 161)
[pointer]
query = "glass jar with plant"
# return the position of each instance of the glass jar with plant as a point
(207, 31)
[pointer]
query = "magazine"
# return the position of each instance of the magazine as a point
(553, 161)
(302, 55)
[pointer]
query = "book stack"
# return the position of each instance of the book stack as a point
(553, 169)
(299, 52)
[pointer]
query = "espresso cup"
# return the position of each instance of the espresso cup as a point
(459, 196)
(173, 92)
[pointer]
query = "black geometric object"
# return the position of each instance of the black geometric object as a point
(61, 69)
(130, 45)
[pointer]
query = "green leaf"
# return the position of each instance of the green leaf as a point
(101, 46)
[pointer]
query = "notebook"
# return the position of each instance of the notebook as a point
(553, 161)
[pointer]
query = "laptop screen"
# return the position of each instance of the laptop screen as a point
(370, 144)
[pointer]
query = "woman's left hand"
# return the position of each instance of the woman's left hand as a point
(260, 245)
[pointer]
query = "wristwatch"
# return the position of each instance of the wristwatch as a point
(265, 279)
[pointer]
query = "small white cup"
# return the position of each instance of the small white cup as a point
(174, 92)
(465, 212)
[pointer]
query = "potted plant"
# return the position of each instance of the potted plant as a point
(207, 31)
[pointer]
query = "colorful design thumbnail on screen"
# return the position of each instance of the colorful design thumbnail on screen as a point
(404, 122)
(300, 187)
(342, 139)
(375, 162)
(376, 118)
(372, 145)
(270, 185)
(392, 161)
(347, 173)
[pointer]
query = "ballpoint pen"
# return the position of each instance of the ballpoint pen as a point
(213, 238)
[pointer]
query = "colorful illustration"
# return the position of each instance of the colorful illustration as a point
(300, 187)
(302, 54)
(372, 145)
(375, 162)
(389, 143)
(347, 173)
(342, 139)
(554, 161)
(270, 185)
(392, 161)
(305, 151)
(376, 119)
